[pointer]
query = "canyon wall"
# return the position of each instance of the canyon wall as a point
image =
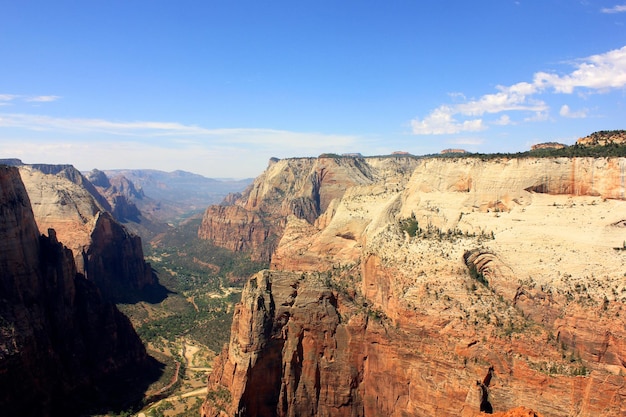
(104, 251)
(63, 349)
(302, 187)
(432, 286)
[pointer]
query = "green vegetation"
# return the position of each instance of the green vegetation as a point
(609, 150)
(181, 251)
(209, 325)
(477, 275)
(219, 397)
(411, 227)
(203, 281)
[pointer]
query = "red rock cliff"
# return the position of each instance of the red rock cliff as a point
(450, 288)
(104, 251)
(302, 187)
(61, 345)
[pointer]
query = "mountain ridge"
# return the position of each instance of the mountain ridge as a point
(451, 285)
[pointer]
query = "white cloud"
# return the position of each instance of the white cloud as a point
(597, 73)
(506, 100)
(567, 112)
(8, 97)
(614, 9)
(181, 134)
(540, 116)
(42, 122)
(504, 120)
(457, 96)
(601, 72)
(168, 145)
(440, 121)
(42, 99)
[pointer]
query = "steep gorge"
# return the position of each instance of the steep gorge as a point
(63, 349)
(104, 251)
(429, 287)
(301, 187)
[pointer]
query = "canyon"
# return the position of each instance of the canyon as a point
(427, 286)
(64, 349)
(82, 215)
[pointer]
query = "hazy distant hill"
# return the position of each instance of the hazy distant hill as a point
(179, 193)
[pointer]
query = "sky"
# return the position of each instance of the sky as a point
(218, 87)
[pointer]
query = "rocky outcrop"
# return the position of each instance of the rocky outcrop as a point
(603, 138)
(63, 349)
(114, 259)
(547, 145)
(287, 350)
(302, 187)
(103, 250)
(448, 151)
(120, 194)
(466, 285)
(128, 204)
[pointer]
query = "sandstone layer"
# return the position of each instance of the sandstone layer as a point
(440, 287)
(62, 347)
(302, 187)
(548, 145)
(104, 251)
(603, 138)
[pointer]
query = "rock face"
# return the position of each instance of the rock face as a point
(604, 138)
(61, 345)
(129, 205)
(114, 259)
(447, 151)
(444, 287)
(302, 187)
(103, 250)
(120, 194)
(547, 145)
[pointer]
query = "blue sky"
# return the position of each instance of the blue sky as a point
(219, 87)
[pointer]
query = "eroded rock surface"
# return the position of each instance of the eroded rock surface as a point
(302, 187)
(446, 287)
(63, 349)
(104, 251)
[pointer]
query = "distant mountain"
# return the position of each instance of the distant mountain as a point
(170, 195)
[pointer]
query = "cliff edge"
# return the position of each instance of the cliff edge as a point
(63, 349)
(442, 286)
(104, 251)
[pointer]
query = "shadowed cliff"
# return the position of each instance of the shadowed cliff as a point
(63, 349)
(104, 251)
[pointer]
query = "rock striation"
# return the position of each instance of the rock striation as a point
(302, 187)
(430, 286)
(120, 194)
(63, 348)
(104, 251)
